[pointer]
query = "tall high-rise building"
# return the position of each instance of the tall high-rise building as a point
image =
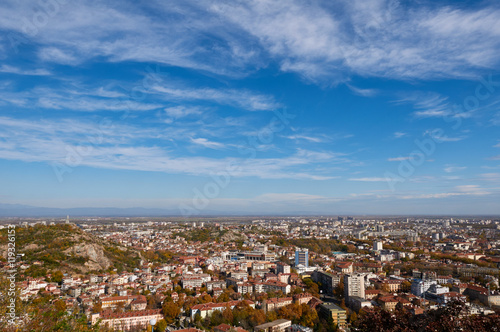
(354, 285)
(378, 245)
(302, 257)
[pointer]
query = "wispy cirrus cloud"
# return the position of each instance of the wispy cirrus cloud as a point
(147, 150)
(453, 169)
(239, 98)
(320, 41)
(439, 136)
(463, 190)
(363, 92)
(490, 177)
(398, 159)
(368, 39)
(369, 179)
(307, 138)
(208, 144)
(427, 104)
(28, 72)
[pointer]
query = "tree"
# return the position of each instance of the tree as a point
(309, 316)
(385, 288)
(224, 297)
(342, 304)
(311, 287)
(406, 285)
(60, 305)
(271, 316)
(227, 315)
(339, 290)
(205, 298)
(120, 307)
(161, 325)
(170, 311)
(447, 318)
(257, 317)
(151, 302)
(97, 307)
(57, 276)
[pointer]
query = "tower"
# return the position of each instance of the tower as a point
(302, 257)
(354, 285)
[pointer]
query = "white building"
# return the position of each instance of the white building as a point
(419, 286)
(354, 285)
(378, 245)
(128, 320)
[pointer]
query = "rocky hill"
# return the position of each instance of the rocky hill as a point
(67, 248)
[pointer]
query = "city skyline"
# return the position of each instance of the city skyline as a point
(252, 107)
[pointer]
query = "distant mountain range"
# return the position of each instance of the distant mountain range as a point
(18, 210)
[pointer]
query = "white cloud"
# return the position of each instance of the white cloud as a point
(372, 39)
(370, 179)
(182, 111)
(464, 190)
(491, 177)
(73, 143)
(27, 72)
(322, 41)
(452, 169)
(427, 105)
(399, 134)
(208, 144)
(363, 92)
(306, 138)
(440, 136)
(398, 159)
(79, 103)
(53, 54)
(240, 98)
(471, 189)
(276, 197)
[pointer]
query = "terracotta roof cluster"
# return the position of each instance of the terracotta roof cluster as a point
(278, 300)
(227, 328)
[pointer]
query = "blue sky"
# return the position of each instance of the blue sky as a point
(324, 107)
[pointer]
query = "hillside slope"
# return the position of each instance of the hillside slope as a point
(67, 248)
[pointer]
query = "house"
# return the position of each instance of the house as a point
(344, 267)
(139, 303)
(302, 298)
(276, 303)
